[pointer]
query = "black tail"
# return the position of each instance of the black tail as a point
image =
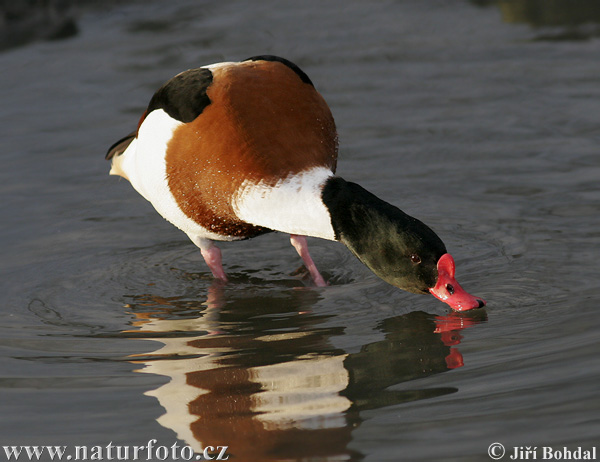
(119, 147)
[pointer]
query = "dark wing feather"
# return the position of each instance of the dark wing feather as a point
(184, 96)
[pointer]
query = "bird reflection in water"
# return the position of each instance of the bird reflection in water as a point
(269, 381)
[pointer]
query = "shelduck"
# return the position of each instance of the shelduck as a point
(233, 150)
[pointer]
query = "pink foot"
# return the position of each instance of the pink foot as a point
(212, 257)
(299, 243)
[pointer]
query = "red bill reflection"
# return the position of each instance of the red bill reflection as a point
(449, 328)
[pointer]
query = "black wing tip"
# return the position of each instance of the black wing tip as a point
(119, 147)
(284, 61)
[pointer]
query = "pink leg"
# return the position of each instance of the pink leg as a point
(299, 243)
(212, 257)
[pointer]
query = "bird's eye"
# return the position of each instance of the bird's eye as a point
(415, 259)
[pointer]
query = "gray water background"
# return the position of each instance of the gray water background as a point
(480, 118)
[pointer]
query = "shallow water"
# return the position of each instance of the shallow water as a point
(468, 117)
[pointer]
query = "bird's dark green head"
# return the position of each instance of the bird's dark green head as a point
(398, 248)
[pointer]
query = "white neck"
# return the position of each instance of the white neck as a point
(293, 205)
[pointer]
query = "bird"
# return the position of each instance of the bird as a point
(233, 150)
